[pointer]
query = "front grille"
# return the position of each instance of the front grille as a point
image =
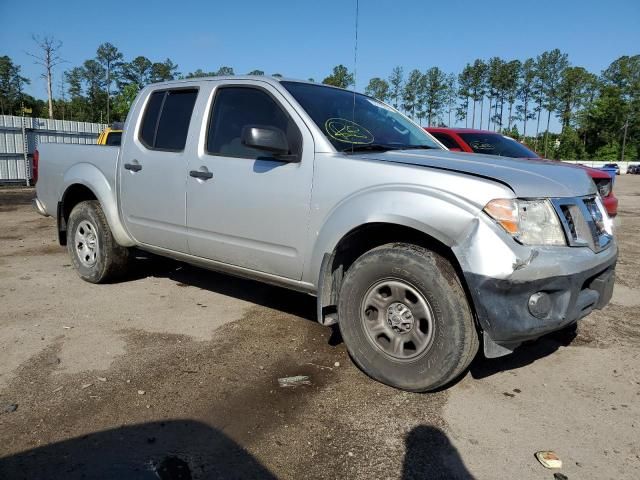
(583, 222)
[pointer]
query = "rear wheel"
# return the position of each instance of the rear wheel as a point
(95, 254)
(405, 318)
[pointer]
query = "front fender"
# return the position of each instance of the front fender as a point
(95, 180)
(434, 212)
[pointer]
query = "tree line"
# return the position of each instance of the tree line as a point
(599, 114)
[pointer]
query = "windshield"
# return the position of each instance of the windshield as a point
(357, 122)
(496, 144)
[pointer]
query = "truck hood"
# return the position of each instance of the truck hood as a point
(528, 178)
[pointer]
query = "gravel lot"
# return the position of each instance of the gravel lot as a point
(173, 374)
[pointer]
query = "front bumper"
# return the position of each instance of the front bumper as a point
(503, 304)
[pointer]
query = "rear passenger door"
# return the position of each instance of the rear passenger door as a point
(153, 170)
(252, 211)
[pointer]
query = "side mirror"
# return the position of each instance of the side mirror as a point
(268, 139)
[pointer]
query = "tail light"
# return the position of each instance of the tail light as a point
(34, 172)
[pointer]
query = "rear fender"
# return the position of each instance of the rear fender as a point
(91, 177)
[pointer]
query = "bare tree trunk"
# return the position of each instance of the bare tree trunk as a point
(466, 117)
(48, 60)
(535, 141)
(481, 109)
(546, 133)
(108, 89)
(524, 134)
(49, 92)
(489, 115)
(509, 118)
(473, 118)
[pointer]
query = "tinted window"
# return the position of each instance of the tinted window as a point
(114, 138)
(496, 144)
(150, 119)
(352, 121)
(237, 107)
(166, 119)
(445, 139)
(174, 119)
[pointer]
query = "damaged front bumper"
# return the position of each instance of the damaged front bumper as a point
(521, 293)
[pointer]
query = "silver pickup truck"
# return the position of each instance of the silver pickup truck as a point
(417, 253)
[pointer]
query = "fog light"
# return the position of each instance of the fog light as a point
(540, 304)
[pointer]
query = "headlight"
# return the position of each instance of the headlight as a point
(531, 222)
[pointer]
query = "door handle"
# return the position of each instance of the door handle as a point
(202, 175)
(134, 167)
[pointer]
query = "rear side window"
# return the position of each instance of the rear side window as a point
(446, 140)
(166, 119)
(237, 107)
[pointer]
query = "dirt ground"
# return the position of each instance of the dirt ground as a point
(173, 374)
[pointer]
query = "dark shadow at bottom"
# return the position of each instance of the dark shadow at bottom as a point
(430, 455)
(172, 450)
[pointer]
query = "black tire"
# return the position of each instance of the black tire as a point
(107, 261)
(447, 333)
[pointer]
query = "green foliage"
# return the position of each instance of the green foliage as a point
(378, 88)
(396, 79)
(123, 101)
(596, 111)
(11, 87)
(411, 91)
(432, 95)
(570, 146)
(340, 77)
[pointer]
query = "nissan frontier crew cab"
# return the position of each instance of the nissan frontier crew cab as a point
(420, 255)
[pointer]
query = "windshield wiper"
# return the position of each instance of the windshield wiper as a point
(369, 147)
(416, 147)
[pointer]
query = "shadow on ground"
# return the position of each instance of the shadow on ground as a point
(304, 306)
(430, 455)
(182, 450)
(524, 355)
(172, 450)
(278, 298)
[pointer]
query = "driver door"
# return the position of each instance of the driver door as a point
(250, 209)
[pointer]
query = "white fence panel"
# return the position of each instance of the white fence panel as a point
(37, 130)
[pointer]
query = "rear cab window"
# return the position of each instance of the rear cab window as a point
(166, 119)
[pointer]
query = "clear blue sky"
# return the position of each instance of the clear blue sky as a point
(303, 39)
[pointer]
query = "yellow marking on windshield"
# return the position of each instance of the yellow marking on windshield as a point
(347, 131)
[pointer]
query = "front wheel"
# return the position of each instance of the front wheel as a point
(95, 254)
(405, 319)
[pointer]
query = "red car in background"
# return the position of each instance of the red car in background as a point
(492, 143)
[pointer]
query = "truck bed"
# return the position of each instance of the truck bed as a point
(60, 163)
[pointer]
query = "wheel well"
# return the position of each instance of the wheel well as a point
(359, 241)
(75, 194)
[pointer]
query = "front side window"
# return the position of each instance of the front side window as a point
(237, 107)
(496, 144)
(355, 122)
(166, 119)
